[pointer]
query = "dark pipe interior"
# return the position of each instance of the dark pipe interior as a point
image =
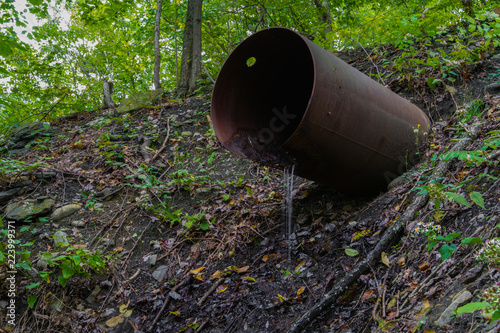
(262, 93)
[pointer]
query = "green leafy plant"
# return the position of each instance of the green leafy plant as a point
(432, 232)
(490, 306)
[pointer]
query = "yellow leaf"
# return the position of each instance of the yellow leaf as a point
(125, 311)
(385, 259)
(231, 252)
(249, 279)
(243, 269)
(360, 234)
(301, 291)
(197, 271)
(300, 265)
(113, 322)
(401, 261)
(175, 313)
(217, 274)
(221, 289)
(281, 298)
(233, 268)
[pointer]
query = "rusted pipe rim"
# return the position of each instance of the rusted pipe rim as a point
(271, 75)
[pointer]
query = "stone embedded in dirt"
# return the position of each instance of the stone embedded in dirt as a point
(152, 260)
(26, 133)
(138, 101)
(472, 274)
(160, 273)
(91, 298)
(60, 238)
(79, 224)
(446, 316)
(396, 182)
(492, 89)
(20, 211)
(64, 211)
(9, 194)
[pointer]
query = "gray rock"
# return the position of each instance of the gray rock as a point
(472, 274)
(79, 224)
(20, 211)
(28, 132)
(60, 238)
(139, 100)
(492, 89)
(91, 298)
(9, 194)
(397, 181)
(41, 264)
(64, 211)
(152, 260)
(160, 273)
(446, 316)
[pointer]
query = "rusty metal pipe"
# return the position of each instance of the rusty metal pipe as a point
(280, 100)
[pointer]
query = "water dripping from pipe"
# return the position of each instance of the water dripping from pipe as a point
(288, 207)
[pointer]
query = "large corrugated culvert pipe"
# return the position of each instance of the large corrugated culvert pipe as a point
(282, 100)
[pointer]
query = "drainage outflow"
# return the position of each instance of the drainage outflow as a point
(282, 100)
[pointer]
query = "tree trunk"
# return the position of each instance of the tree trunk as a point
(156, 74)
(191, 49)
(326, 18)
(107, 90)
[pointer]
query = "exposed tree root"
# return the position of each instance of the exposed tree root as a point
(392, 234)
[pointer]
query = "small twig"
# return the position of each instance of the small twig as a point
(206, 71)
(167, 299)
(210, 291)
(369, 58)
(136, 274)
(202, 325)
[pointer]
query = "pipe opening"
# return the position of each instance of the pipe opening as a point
(257, 105)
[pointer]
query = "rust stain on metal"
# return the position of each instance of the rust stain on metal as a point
(280, 100)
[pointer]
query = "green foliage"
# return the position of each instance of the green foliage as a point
(10, 168)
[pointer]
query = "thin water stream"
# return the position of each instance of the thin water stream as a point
(288, 207)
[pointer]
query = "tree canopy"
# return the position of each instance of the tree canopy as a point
(78, 44)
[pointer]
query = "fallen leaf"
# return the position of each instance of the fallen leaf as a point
(413, 285)
(423, 266)
(197, 270)
(301, 291)
(351, 252)
(385, 259)
(367, 294)
(115, 321)
(391, 315)
(401, 261)
(125, 311)
(243, 269)
(175, 313)
(221, 289)
(217, 274)
(249, 279)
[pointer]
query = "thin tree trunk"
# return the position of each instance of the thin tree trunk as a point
(191, 48)
(107, 90)
(326, 18)
(176, 49)
(156, 74)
